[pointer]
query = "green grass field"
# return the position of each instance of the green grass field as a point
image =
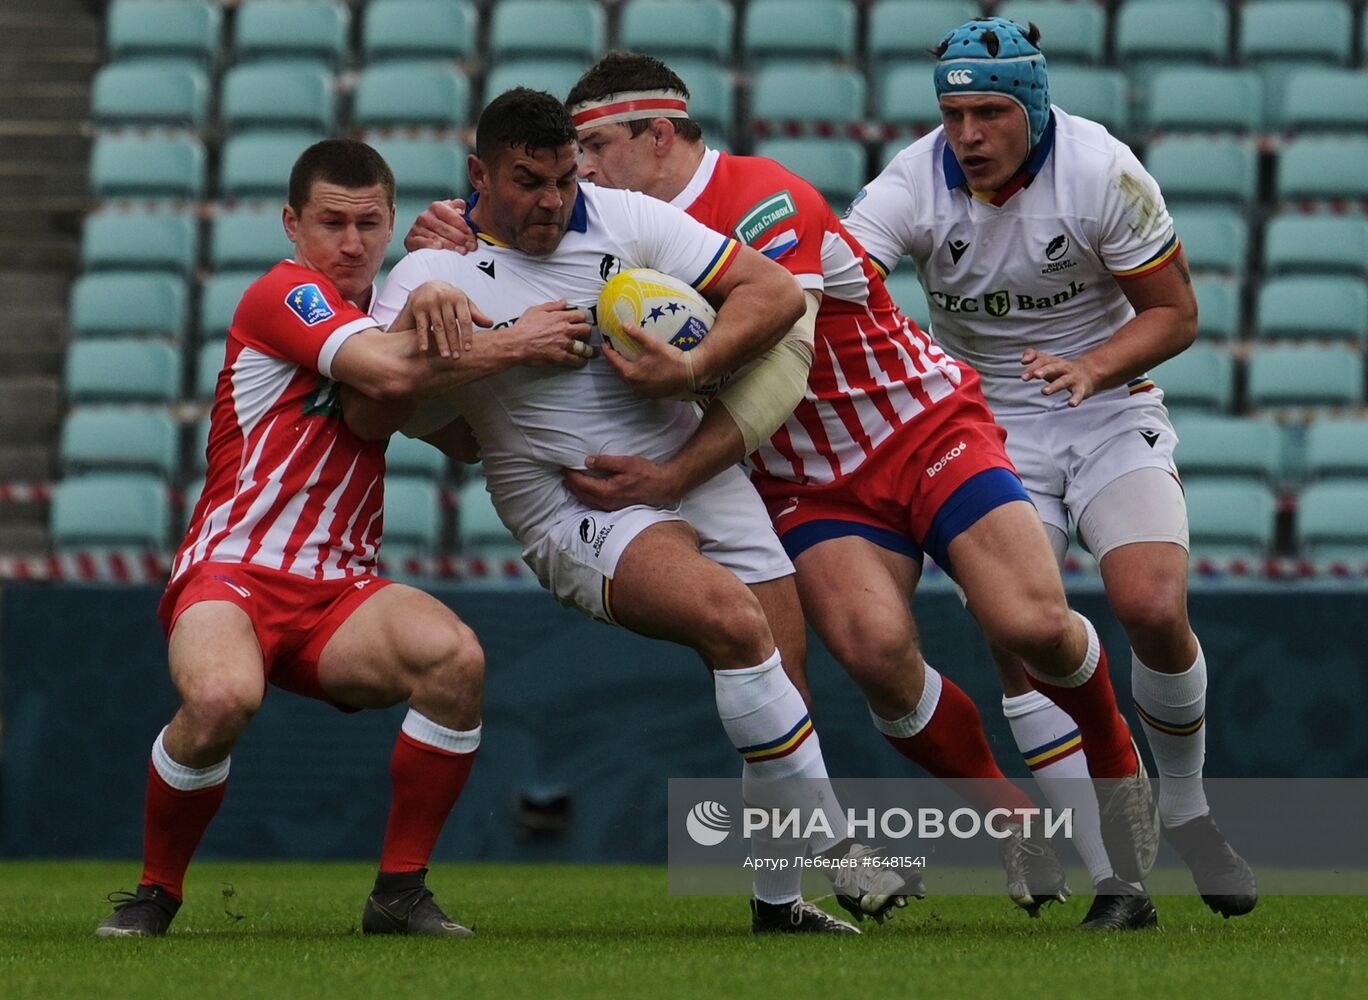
(586, 931)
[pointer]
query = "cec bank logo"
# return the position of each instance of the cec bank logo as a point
(959, 77)
(708, 823)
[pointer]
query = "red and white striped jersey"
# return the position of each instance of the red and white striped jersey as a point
(288, 485)
(873, 371)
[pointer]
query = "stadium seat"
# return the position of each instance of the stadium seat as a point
(118, 371)
(808, 93)
(1229, 519)
(906, 289)
(1205, 99)
(669, 28)
(1069, 32)
(1324, 100)
(249, 238)
(798, 30)
(150, 93)
(265, 95)
(112, 509)
(188, 29)
(1309, 306)
(412, 518)
(900, 30)
(1337, 449)
(131, 241)
(405, 212)
(411, 457)
(119, 437)
(419, 29)
(257, 164)
(712, 98)
(555, 76)
(836, 167)
(1305, 376)
(134, 166)
(1318, 243)
(116, 303)
(1278, 35)
(1093, 92)
(292, 30)
(1332, 522)
(906, 97)
(567, 29)
(1218, 307)
(1228, 447)
(1314, 167)
(209, 361)
(412, 94)
(1213, 239)
(481, 532)
(1206, 169)
(1192, 31)
(424, 168)
(1201, 378)
(219, 298)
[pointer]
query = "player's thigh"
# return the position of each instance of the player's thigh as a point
(393, 641)
(779, 602)
(1011, 581)
(216, 660)
(856, 595)
(665, 588)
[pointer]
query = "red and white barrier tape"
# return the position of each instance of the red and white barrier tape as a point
(24, 492)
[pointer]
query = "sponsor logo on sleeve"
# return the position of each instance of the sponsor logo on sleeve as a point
(763, 217)
(307, 302)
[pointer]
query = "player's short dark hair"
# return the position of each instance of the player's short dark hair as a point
(347, 163)
(621, 71)
(523, 118)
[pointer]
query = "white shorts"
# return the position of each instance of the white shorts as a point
(577, 554)
(1067, 456)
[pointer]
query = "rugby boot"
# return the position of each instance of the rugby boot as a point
(1130, 822)
(1224, 880)
(798, 917)
(145, 912)
(1034, 875)
(1120, 907)
(401, 903)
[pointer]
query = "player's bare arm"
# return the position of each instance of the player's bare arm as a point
(442, 226)
(1165, 325)
(386, 373)
(758, 302)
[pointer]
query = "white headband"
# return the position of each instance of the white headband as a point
(630, 106)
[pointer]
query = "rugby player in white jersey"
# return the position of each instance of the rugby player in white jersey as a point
(1052, 266)
(692, 572)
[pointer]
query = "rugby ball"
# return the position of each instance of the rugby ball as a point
(664, 306)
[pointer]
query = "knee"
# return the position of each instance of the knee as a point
(884, 662)
(1033, 630)
(220, 709)
(450, 656)
(1153, 612)
(733, 630)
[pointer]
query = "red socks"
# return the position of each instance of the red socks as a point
(174, 823)
(427, 781)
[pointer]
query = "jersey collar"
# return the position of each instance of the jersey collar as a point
(698, 181)
(954, 173)
(579, 218)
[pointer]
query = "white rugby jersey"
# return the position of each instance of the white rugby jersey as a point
(1038, 264)
(533, 422)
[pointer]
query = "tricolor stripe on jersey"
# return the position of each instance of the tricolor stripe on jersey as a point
(717, 267)
(1168, 252)
(1135, 385)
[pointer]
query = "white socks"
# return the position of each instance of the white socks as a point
(1053, 749)
(1172, 709)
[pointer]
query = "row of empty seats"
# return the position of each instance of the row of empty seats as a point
(1211, 31)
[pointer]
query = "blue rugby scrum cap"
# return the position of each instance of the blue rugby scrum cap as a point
(992, 55)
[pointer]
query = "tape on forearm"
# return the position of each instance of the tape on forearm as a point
(761, 397)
